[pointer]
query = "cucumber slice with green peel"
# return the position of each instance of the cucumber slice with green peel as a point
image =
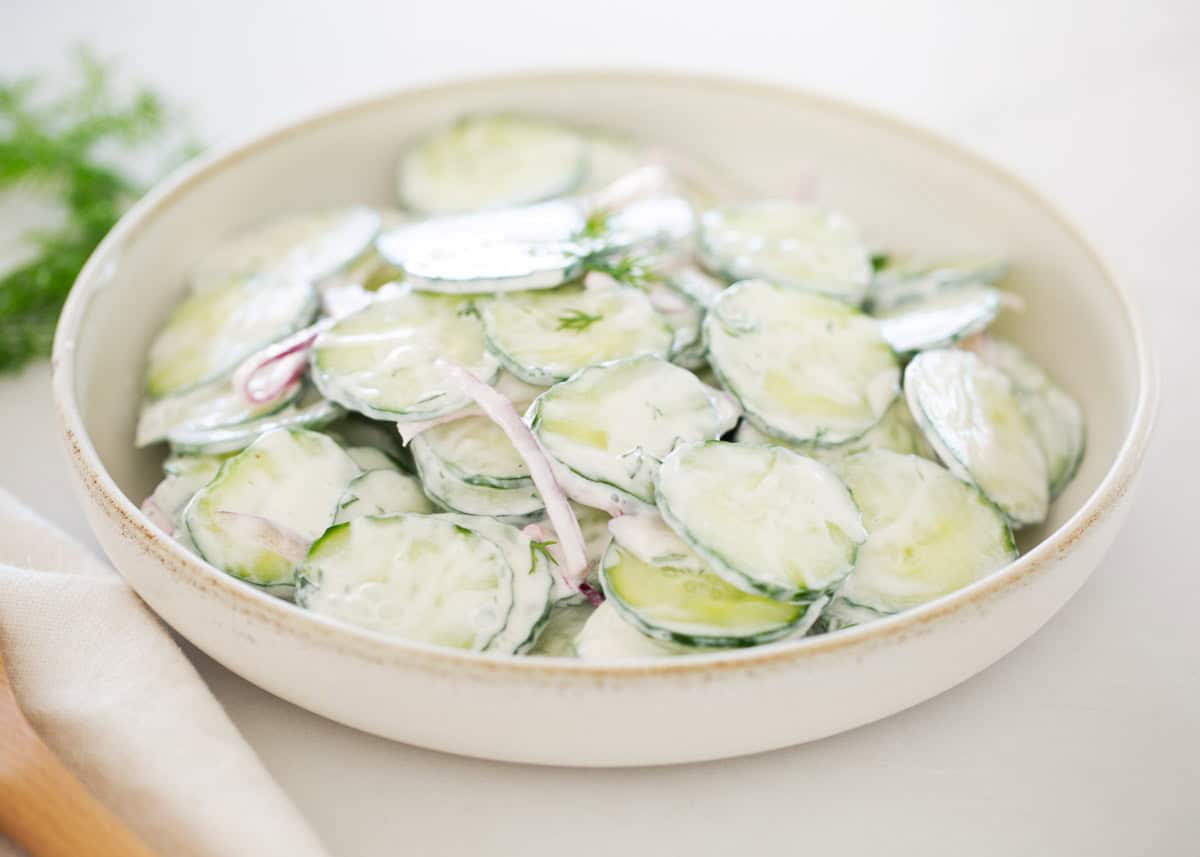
(766, 519)
(475, 450)
(612, 424)
(805, 368)
(660, 586)
(942, 319)
(497, 266)
(972, 417)
(929, 534)
(900, 283)
(490, 161)
(1056, 418)
(205, 466)
(545, 337)
(214, 405)
(309, 246)
(606, 636)
(165, 506)
(562, 627)
(268, 504)
(211, 332)
(308, 411)
(382, 492)
(423, 578)
(794, 245)
(645, 225)
(519, 504)
(381, 360)
(532, 583)
(897, 431)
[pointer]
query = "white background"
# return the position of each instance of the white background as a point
(1084, 740)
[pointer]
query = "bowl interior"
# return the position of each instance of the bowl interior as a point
(911, 193)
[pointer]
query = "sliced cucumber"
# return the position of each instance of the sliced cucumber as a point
(545, 337)
(667, 592)
(646, 225)
(942, 319)
(475, 450)
(308, 247)
(764, 518)
(897, 432)
(532, 583)
(370, 458)
(929, 534)
(211, 332)
(269, 501)
(214, 405)
(497, 266)
(489, 161)
(382, 492)
(166, 505)
(608, 637)
(971, 416)
(423, 578)
(805, 368)
(788, 243)
(309, 410)
(612, 424)
(563, 624)
(380, 361)
(519, 503)
(900, 283)
(1057, 418)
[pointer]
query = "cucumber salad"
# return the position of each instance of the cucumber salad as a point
(578, 396)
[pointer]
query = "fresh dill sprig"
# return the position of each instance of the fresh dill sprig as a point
(543, 548)
(632, 271)
(595, 225)
(53, 146)
(577, 320)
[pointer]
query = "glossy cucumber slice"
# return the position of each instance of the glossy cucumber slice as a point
(545, 337)
(929, 534)
(952, 314)
(475, 450)
(309, 246)
(370, 458)
(606, 636)
(382, 492)
(897, 432)
(423, 578)
(532, 583)
(788, 243)
(380, 361)
(612, 424)
(659, 585)
(497, 266)
(765, 519)
(214, 405)
(211, 332)
(909, 281)
(971, 416)
(489, 161)
(184, 477)
(805, 368)
(1056, 418)
(518, 503)
(268, 503)
(309, 410)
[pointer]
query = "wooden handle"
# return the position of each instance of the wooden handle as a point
(43, 807)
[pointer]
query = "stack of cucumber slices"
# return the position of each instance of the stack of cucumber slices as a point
(576, 397)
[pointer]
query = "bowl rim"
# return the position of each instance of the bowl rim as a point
(102, 490)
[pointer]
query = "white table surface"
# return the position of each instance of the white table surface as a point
(1085, 739)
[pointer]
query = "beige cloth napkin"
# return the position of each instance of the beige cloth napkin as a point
(113, 695)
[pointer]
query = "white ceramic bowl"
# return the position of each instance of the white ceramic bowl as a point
(908, 189)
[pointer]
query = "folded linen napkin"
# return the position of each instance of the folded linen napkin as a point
(108, 689)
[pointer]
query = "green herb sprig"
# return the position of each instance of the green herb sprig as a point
(56, 147)
(542, 548)
(577, 320)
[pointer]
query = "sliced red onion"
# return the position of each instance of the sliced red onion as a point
(268, 374)
(574, 564)
(273, 536)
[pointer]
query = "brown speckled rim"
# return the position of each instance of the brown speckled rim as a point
(289, 620)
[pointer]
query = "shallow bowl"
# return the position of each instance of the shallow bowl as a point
(909, 190)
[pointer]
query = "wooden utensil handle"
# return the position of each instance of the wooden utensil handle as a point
(45, 809)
